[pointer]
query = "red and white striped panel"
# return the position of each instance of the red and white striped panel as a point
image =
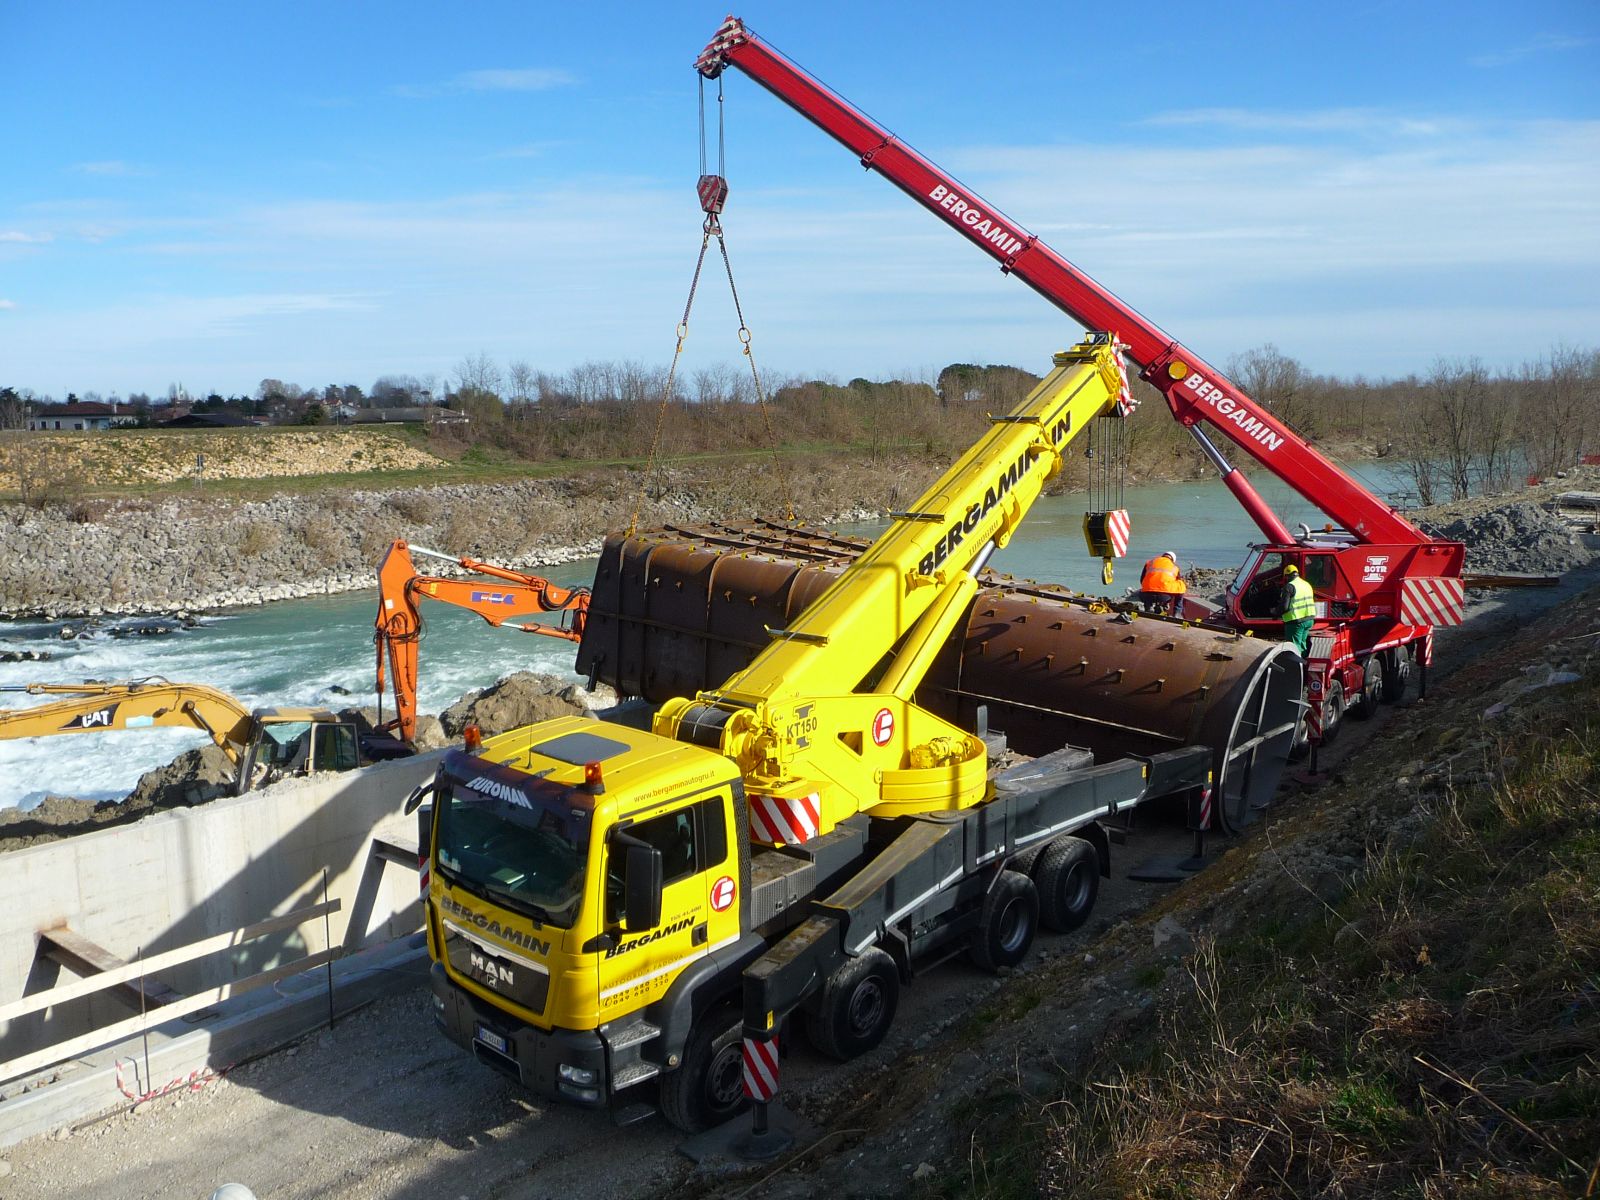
(1316, 688)
(1431, 601)
(423, 876)
(1126, 402)
(1205, 808)
(761, 1068)
(790, 820)
(1320, 647)
(1118, 526)
(1427, 649)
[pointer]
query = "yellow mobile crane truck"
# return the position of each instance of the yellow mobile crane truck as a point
(609, 907)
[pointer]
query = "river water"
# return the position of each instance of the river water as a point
(303, 651)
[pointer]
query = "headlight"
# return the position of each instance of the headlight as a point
(582, 1076)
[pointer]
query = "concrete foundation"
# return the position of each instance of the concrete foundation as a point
(173, 879)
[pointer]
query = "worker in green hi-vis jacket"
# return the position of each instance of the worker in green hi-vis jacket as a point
(1299, 609)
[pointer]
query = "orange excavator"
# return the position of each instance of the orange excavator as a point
(399, 624)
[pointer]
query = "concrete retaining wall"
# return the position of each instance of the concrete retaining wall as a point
(181, 876)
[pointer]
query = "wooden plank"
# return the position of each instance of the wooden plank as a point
(134, 1026)
(77, 953)
(1479, 580)
(157, 962)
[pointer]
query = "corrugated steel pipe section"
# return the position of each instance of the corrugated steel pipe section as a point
(680, 609)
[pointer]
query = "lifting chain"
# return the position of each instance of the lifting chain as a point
(713, 191)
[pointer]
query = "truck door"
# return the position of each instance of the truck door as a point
(641, 965)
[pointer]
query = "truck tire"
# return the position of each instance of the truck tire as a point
(1007, 922)
(1067, 876)
(1396, 675)
(1333, 711)
(708, 1088)
(856, 1007)
(1365, 706)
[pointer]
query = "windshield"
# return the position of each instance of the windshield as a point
(525, 851)
(284, 742)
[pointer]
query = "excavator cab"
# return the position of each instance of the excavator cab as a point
(298, 741)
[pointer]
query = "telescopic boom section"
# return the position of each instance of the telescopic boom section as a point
(827, 709)
(1194, 390)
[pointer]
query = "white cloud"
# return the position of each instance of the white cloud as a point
(7, 304)
(1330, 120)
(113, 168)
(502, 79)
(17, 237)
(1371, 254)
(1543, 43)
(523, 79)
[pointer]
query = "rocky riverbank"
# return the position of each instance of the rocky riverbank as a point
(188, 554)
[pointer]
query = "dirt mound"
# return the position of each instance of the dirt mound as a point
(194, 777)
(1521, 538)
(430, 733)
(517, 700)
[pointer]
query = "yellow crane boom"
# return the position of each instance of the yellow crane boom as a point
(854, 658)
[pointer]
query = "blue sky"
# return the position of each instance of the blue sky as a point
(212, 194)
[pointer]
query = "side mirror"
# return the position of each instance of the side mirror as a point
(414, 801)
(641, 903)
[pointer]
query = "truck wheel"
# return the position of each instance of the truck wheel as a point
(1067, 876)
(1007, 922)
(1332, 712)
(856, 1007)
(1396, 675)
(1366, 704)
(708, 1088)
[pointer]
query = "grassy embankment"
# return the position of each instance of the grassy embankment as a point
(1433, 1032)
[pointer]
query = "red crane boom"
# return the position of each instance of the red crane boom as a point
(1380, 583)
(1194, 390)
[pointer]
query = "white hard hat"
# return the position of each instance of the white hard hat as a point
(1172, 554)
(233, 1191)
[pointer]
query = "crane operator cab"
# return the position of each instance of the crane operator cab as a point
(1255, 597)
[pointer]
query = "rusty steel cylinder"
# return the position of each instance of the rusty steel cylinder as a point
(677, 611)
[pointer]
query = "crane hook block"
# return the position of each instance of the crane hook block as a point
(713, 191)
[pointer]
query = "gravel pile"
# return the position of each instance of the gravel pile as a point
(1517, 538)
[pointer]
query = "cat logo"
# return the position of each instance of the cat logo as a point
(99, 718)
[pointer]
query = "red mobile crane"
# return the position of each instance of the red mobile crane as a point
(399, 624)
(1381, 584)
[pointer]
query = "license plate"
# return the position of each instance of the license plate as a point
(492, 1040)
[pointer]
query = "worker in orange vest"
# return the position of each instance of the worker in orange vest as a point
(1162, 586)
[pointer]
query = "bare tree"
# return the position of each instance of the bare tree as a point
(1560, 410)
(478, 373)
(1276, 382)
(520, 379)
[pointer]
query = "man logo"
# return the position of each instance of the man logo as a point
(491, 971)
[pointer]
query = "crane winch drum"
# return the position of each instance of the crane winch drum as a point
(674, 610)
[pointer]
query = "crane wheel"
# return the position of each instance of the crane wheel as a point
(1333, 711)
(1366, 703)
(708, 1088)
(856, 1007)
(1067, 876)
(1396, 675)
(1007, 922)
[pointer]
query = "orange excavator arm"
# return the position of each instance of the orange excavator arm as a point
(141, 704)
(509, 603)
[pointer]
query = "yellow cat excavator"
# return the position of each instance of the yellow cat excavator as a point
(263, 746)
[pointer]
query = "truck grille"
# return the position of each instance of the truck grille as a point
(518, 979)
